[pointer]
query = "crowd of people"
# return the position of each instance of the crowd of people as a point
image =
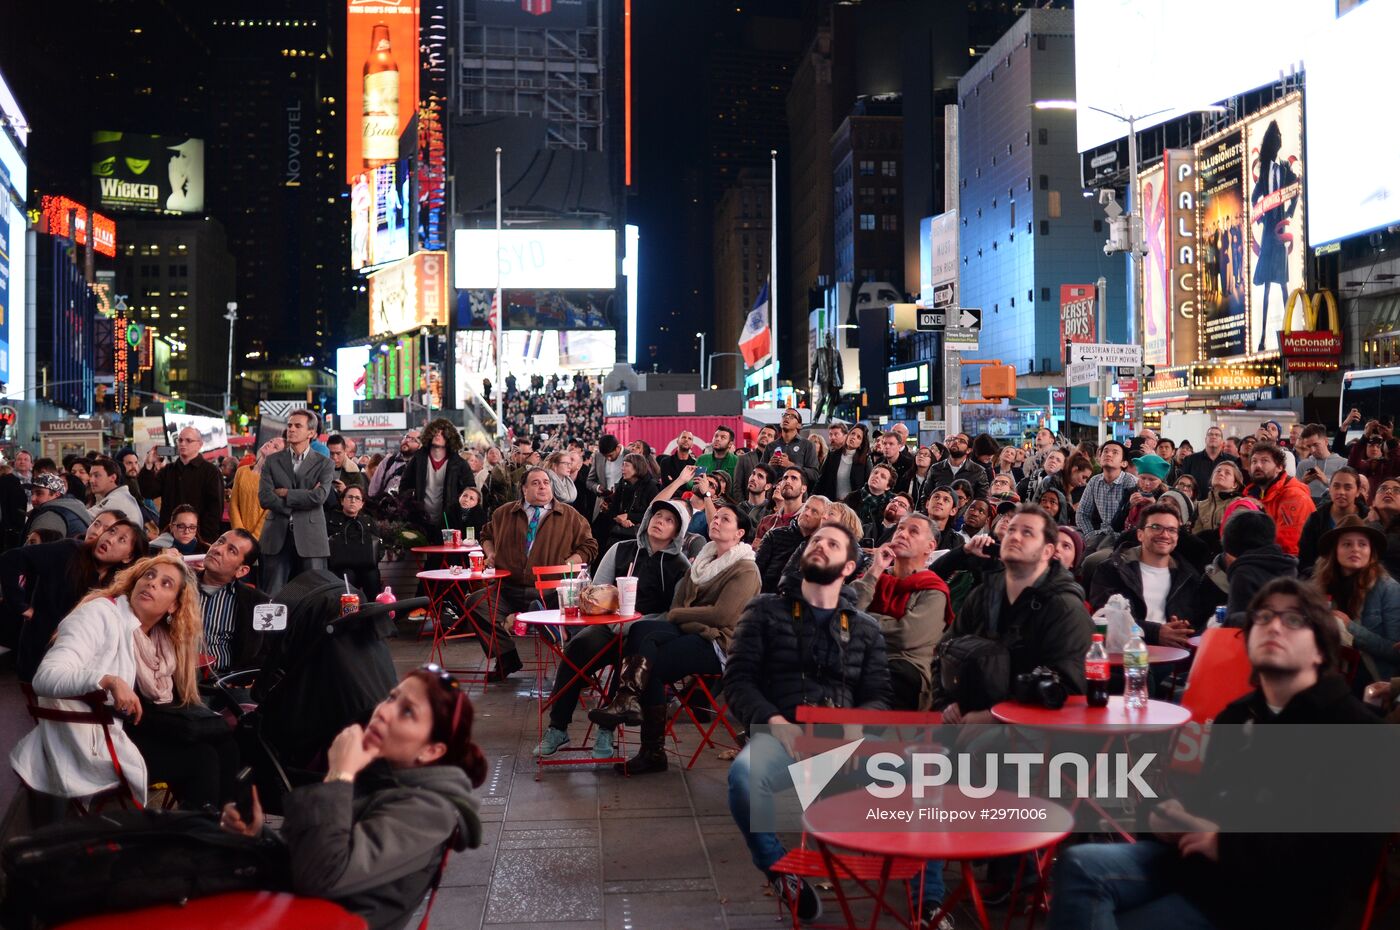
(812, 567)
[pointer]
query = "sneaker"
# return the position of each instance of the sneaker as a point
(603, 745)
(926, 923)
(790, 888)
(553, 741)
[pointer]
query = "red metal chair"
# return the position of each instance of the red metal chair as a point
(804, 861)
(237, 910)
(99, 715)
(699, 689)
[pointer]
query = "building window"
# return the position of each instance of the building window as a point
(1042, 136)
(1045, 182)
(889, 169)
(867, 221)
(1054, 205)
(1098, 226)
(867, 167)
(889, 222)
(1012, 207)
(1045, 227)
(1040, 43)
(1045, 293)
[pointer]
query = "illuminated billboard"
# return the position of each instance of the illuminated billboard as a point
(542, 259)
(1256, 41)
(409, 293)
(381, 80)
(350, 365)
(530, 352)
(379, 208)
(1223, 237)
(1353, 148)
(1156, 314)
(14, 192)
(1182, 246)
(148, 174)
(1278, 248)
(536, 309)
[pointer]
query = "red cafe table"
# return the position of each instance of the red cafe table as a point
(238, 910)
(1027, 825)
(592, 680)
(470, 590)
(449, 552)
(1114, 722)
(1156, 655)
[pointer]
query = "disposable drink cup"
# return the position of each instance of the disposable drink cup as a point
(447, 537)
(349, 603)
(568, 600)
(457, 539)
(626, 595)
(478, 560)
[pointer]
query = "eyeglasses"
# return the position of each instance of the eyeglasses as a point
(1292, 619)
(186, 526)
(448, 681)
(1162, 529)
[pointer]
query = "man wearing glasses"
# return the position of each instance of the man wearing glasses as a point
(190, 479)
(1160, 588)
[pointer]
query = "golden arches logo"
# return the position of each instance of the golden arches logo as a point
(1312, 308)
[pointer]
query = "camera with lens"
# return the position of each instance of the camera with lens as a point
(1042, 687)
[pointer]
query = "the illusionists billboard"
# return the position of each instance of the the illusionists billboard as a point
(144, 173)
(1223, 237)
(381, 80)
(1278, 243)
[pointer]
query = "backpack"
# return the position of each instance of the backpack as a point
(130, 859)
(973, 672)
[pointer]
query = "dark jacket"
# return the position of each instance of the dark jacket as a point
(673, 465)
(777, 662)
(13, 504)
(778, 546)
(1201, 466)
(657, 573)
(353, 531)
(415, 480)
(374, 847)
(1122, 574)
(826, 483)
(67, 512)
(970, 471)
(632, 498)
(1047, 625)
(247, 644)
(47, 589)
(917, 488)
(1252, 571)
(198, 484)
(799, 452)
(1241, 889)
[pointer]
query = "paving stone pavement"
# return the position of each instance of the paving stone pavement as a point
(583, 848)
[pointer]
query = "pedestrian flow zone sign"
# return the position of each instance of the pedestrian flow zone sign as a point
(1106, 353)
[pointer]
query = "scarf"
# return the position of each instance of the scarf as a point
(892, 594)
(708, 565)
(155, 664)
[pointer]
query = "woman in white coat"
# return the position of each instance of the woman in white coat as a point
(141, 632)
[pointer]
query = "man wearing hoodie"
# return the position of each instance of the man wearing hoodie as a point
(111, 492)
(55, 509)
(1160, 589)
(1284, 497)
(1252, 559)
(656, 560)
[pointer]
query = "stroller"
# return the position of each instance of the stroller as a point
(323, 673)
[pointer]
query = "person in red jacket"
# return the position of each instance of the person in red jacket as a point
(1284, 497)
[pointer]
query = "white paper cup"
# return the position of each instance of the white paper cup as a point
(626, 595)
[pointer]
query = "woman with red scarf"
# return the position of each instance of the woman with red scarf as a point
(911, 604)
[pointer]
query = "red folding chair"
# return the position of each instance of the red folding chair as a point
(99, 715)
(806, 862)
(551, 578)
(698, 688)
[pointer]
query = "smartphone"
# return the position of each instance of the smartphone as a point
(243, 793)
(165, 452)
(700, 470)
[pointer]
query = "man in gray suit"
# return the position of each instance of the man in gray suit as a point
(293, 489)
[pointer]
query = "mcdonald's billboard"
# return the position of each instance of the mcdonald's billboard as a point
(1317, 345)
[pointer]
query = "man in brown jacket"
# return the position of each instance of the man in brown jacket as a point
(911, 604)
(521, 535)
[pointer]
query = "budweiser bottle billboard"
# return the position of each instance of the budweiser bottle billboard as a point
(379, 126)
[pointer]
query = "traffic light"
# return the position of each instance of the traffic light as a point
(1115, 410)
(998, 381)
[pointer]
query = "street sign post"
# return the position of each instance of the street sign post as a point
(1079, 373)
(1107, 354)
(943, 296)
(962, 328)
(931, 320)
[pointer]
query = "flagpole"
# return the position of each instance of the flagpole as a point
(500, 308)
(773, 273)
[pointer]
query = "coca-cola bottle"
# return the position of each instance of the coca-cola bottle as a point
(1096, 673)
(379, 125)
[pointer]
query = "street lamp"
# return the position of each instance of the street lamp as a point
(1136, 247)
(703, 379)
(232, 317)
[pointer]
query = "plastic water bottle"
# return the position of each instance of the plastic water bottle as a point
(1096, 673)
(386, 596)
(1135, 671)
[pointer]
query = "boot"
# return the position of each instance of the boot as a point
(651, 756)
(625, 708)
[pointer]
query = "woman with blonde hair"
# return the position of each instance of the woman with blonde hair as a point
(138, 639)
(244, 511)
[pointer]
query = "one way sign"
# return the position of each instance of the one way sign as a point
(965, 318)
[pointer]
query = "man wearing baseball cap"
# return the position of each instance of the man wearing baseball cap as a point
(55, 509)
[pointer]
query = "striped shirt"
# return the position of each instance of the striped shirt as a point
(220, 606)
(1101, 501)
